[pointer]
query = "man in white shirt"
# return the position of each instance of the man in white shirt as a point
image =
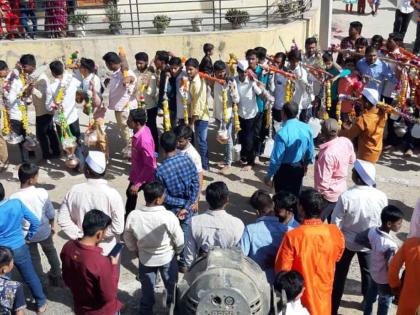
(278, 88)
(62, 98)
(147, 93)
(247, 110)
(225, 128)
(38, 202)
(121, 85)
(215, 227)
(94, 194)
(403, 15)
(155, 235)
(357, 210)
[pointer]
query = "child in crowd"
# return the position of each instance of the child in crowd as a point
(65, 85)
(147, 92)
(12, 297)
(91, 89)
(384, 247)
(286, 208)
(185, 135)
(206, 64)
(199, 109)
(291, 284)
(349, 5)
(328, 60)
(360, 45)
(261, 240)
(350, 85)
(224, 123)
(39, 203)
(155, 235)
(247, 110)
(377, 41)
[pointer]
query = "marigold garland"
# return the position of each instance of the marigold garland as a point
(6, 126)
(225, 105)
(23, 110)
(288, 96)
(185, 98)
(328, 100)
(402, 98)
(338, 113)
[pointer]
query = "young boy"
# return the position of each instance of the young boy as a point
(184, 136)
(12, 297)
(91, 88)
(247, 110)
(121, 96)
(224, 123)
(384, 247)
(66, 85)
(286, 207)
(143, 160)
(147, 92)
(292, 283)
(39, 203)
(261, 240)
(199, 109)
(155, 235)
(206, 64)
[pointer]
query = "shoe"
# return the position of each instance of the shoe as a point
(408, 153)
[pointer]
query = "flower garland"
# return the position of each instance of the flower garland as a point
(22, 106)
(289, 92)
(413, 74)
(166, 115)
(328, 100)
(402, 98)
(141, 103)
(66, 134)
(225, 105)
(235, 113)
(338, 113)
(185, 99)
(6, 126)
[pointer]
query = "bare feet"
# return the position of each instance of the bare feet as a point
(408, 153)
(225, 170)
(246, 168)
(42, 309)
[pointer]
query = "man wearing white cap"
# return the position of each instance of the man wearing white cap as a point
(357, 210)
(247, 110)
(368, 128)
(94, 194)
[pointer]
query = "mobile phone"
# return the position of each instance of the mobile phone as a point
(116, 250)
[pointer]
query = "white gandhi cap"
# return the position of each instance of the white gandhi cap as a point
(366, 171)
(96, 161)
(372, 95)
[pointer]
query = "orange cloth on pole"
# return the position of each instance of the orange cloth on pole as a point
(408, 254)
(369, 129)
(313, 250)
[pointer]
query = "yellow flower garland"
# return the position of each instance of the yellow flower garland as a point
(225, 105)
(338, 113)
(6, 126)
(328, 101)
(402, 98)
(140, 99)
(185, 99)
(166, 116)
(24, 112)
(288, 96)
(236, 117)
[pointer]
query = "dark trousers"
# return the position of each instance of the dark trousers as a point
(151, 123)
(27, 14)
(75, 131)
(401, 22)
(17, 127)
(289, 178)
(247, 139)
(416, 48)
(260, 132)
(131, 202)
(341, 271)
(47, 136)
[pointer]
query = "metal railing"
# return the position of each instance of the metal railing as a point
(59, 18)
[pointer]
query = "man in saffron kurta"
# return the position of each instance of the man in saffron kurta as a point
(368, 128)
(408, 255)
(313, 250)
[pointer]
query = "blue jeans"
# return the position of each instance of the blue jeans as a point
(147, 277)
(383, 291)
(23, 263)
(185, 225)
(27, 14)
(229, 145)
(201, 129)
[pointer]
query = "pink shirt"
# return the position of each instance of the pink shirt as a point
(121, 97)
(331, 167)
(143, 160)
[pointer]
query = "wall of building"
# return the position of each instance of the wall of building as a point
(182, 44)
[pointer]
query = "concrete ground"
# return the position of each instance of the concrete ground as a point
(397, 176)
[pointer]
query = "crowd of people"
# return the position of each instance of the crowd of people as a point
(279, 108)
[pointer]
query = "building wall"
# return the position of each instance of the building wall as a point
(183, 44)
